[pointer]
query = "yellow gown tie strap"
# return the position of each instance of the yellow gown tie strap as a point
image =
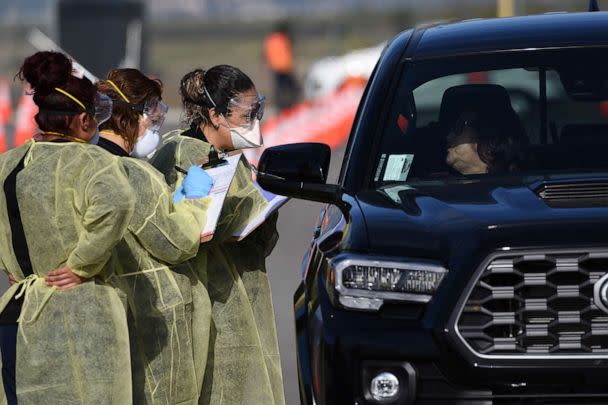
(24, 290)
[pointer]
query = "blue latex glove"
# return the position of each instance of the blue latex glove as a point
(196, 184)
(179, 194)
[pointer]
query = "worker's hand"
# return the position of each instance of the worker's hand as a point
(11, 279)
(196, 184)
(62, 278)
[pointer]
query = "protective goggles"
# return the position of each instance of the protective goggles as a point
(250, 110)
(154, 112)
(102, 109)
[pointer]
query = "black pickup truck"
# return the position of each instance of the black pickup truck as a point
(462, 256)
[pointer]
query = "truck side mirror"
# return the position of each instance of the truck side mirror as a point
(299, 170)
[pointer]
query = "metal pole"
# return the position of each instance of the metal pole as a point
(505, 8)
(593, 6)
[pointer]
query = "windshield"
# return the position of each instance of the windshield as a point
(491, 116)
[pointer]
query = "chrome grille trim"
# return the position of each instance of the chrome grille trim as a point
(541, 329)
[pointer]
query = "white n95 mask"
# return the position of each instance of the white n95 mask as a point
(244, 138)
(147, 144)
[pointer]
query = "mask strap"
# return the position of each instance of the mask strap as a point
(118, 91)
(73, 138)
(209, 96)
(65, 93)
(215, 106)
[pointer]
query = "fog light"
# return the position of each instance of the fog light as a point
(385, 387)
(366, 304)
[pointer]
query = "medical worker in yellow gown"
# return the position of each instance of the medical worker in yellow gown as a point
(224, 110)
(65, 205)
(169, 308)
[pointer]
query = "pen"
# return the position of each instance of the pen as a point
(179, 169)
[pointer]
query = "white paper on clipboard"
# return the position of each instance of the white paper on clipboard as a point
(274, 202)
(222, 178)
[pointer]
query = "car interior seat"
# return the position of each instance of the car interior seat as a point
(480, 98)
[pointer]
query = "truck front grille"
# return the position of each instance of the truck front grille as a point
(537, 304)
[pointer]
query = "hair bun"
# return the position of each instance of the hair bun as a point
(46, 70)
(191, 87)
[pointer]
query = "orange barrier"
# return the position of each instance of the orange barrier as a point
(25, 125)
(6, 108)
(328, 120)
(3, 144)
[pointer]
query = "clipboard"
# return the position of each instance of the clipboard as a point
(222, 179)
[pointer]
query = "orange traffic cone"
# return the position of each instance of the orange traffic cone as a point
(25, 125)
(5, 101)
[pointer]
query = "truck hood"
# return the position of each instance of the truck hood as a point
(427, 220)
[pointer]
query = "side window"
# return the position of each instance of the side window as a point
(349, 143)
(522, 87)
(491, 116)
(416, 135)
(428, 97)
(394, 161)
(573, 121)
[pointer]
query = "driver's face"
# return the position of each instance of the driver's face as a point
(462, 153)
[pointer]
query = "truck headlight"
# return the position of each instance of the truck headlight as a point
(365, 283)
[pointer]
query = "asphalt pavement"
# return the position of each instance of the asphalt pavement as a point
(296, 223)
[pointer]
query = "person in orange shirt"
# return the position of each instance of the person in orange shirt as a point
(279, 59)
